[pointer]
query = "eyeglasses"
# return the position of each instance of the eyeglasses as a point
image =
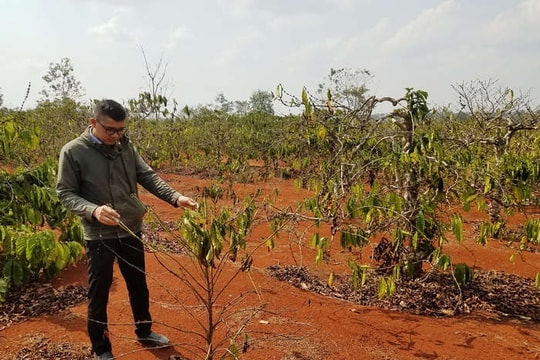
(111, 130)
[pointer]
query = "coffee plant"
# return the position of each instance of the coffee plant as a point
(38, 237)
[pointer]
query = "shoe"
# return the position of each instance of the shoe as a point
(155, 340)
(107, 355)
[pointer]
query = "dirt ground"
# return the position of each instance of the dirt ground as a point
(288, 321)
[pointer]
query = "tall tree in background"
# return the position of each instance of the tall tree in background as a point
(347, 87)
(61, 82)
(500, 131)
(153, 102)
(224, 104)
(261, 101)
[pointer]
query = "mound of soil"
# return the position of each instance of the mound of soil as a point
(36, 299)
(492, 293)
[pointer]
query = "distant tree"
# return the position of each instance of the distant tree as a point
(241, 107)
(1, 99)
(61, 82)
(224, 104)
(261, 101)
(345, 87)
(498, 112)
(502, 126)
(153, 102)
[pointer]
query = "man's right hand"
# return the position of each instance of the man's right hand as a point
(186, 202)
(106, 215)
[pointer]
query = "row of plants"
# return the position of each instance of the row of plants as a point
(397, 176)
(414, 159)
(393, 176)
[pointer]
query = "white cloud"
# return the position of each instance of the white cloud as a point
(108, 29)
(342, 4)
(521, 22)
(32, 64)
(314, 50)
(113, 2)
(176, 36)
(237, 8)
(117, 29)
(237, 46)
(295, 21)
(280, 8)
(380, 30)
(423, 29)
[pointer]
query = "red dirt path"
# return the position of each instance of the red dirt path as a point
(297, 324)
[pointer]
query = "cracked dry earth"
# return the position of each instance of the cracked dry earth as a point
(497, 316)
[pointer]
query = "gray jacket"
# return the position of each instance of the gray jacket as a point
(92, 174)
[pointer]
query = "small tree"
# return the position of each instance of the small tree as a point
(224, 104)
(376, 176)
(215, 239)
(261, 101)
(61, 82)
(29, 212)
(500, 132)
(153, 102)
(348, 87)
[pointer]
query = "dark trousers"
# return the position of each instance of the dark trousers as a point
(101, 255)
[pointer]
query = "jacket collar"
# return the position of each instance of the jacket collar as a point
(109, 151)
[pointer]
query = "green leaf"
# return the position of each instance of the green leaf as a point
(364, 269)
(20, 246)
(3, 234)
(330, 278)
(320, 256)
(463, 274)
(391, 287)
(410, 267)
(14, 271)
(382, 288)
(444, 262)
(62, 256)
(75, 251)
(314, 240)
(396, 271)
(321, 133)
(487, 185)
(9, 131)
(457, 227)
(234, 354)
(4, 287)
(305, 97)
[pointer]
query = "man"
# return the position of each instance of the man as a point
(97, 180)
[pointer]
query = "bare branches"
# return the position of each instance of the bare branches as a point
(497, 112)
(156, 76)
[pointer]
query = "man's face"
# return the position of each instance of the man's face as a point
(107, 129)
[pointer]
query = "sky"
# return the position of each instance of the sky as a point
(237, 47)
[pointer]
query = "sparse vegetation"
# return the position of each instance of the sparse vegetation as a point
(374, 176)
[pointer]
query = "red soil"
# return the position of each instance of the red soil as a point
(297, 324)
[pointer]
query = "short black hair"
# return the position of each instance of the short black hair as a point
(110, 108)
